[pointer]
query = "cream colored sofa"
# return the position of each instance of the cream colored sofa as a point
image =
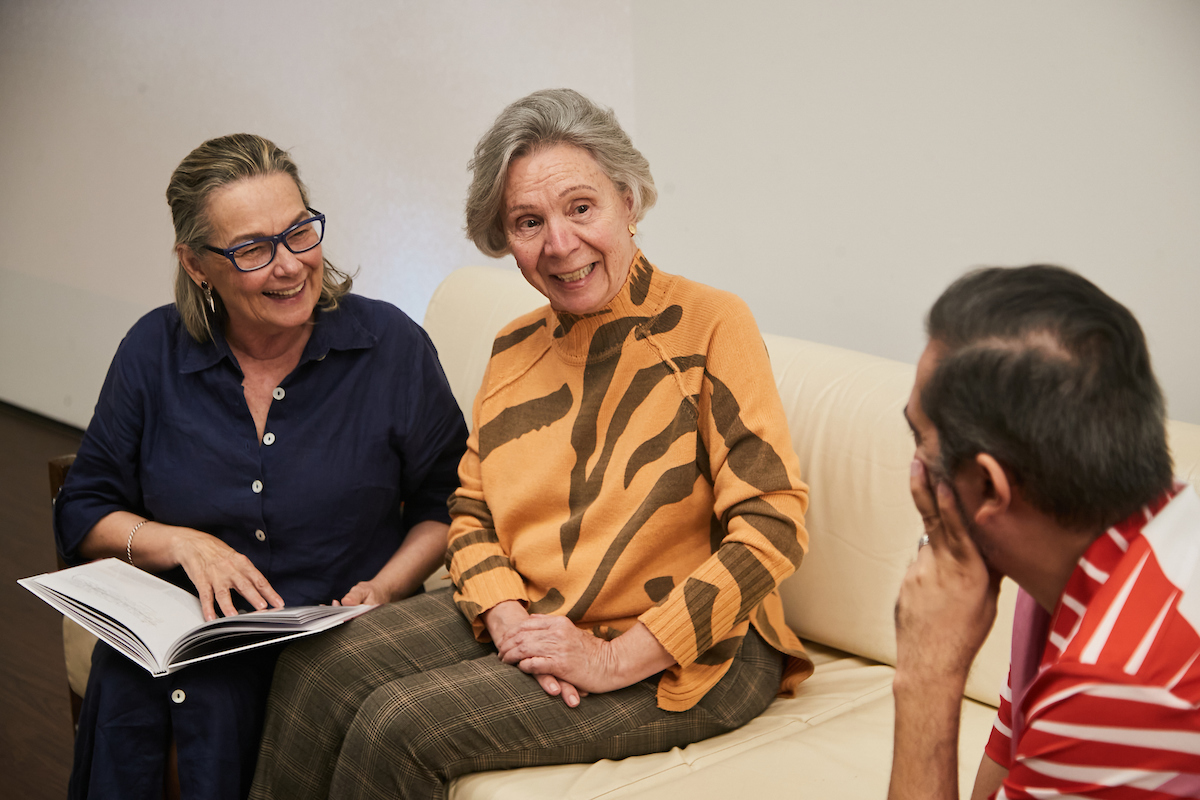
(834, 740)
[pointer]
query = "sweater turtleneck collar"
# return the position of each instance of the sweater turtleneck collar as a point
(588, 337)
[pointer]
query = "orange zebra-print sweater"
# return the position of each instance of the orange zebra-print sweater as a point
(635, 464)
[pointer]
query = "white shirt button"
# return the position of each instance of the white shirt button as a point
(178, 696)
(262, 537)
(256, 486)
(268, 438)
(278, 393)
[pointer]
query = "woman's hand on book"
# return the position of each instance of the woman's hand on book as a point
(217, 570)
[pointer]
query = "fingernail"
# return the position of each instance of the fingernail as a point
(915, 467)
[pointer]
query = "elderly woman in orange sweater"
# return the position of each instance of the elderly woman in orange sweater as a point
(629, 504)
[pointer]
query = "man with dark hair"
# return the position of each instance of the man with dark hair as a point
(1041, 454)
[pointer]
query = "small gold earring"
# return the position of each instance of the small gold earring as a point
(632, 229)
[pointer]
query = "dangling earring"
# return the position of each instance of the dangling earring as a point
(204, 287)
(632, 229)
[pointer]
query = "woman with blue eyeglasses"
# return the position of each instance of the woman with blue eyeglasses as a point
(268, 439)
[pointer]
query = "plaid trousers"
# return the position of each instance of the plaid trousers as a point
(398, 702)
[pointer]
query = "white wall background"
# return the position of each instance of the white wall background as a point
(836, 164)
(839, 163)
(380, 103)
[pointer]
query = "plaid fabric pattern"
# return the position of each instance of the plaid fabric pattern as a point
(400, 701)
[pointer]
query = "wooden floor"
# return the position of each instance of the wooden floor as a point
(35, 716)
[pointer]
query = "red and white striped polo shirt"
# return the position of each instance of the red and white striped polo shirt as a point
(1114, 708)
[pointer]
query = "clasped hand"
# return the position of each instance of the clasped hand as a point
(566, 661)
(553, 645)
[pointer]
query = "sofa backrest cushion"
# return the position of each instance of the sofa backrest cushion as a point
(846, 414)
(1184, 439)
(464, 315)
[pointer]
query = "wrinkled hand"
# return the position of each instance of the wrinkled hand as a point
(365, 593)
(556, 687)
(552, 645)
(503, 622)
(947, 601)
(217, 570)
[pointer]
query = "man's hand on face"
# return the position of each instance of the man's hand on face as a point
(947, 601)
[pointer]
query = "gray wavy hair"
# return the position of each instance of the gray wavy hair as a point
(216, 163)
(544, 118)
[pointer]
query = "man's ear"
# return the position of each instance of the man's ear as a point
(995, 490)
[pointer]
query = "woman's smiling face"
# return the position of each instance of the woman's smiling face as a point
(568, 227)
(282, 295)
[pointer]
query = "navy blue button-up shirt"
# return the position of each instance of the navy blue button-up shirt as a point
(362, 441)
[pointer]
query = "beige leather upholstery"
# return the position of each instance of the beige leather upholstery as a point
(855, 449)
(77, 645)
(463, 317)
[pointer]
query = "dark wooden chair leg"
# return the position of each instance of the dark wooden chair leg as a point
(59, 467)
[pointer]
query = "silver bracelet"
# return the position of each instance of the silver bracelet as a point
(129, 541)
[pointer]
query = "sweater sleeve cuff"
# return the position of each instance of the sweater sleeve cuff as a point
(486, 591)
(673, 633)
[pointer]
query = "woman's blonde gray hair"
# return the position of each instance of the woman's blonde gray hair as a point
(544, 118)
(216, 163)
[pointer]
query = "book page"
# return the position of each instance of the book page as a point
(158, 612)
(275, 623)
(257, 628)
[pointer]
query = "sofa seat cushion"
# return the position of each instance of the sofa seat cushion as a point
(834, 739)
(78, 643)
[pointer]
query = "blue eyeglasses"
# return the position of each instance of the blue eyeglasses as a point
(258, 253)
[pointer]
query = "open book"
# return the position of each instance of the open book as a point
(159, 625)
